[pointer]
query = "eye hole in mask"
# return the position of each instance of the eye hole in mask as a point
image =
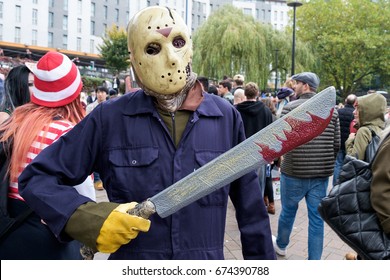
(153, 49)
(178, 42)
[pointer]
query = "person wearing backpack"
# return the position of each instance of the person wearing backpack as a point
(54, 109)
(380, 185)
(369, 115)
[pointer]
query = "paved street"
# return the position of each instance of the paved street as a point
(334, 248)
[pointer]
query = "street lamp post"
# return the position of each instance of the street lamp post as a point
(276, 70)
(293, 4)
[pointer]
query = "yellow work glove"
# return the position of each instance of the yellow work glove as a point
(120, 228)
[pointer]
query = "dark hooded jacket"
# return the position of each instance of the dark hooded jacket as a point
(255, 116)
(345, 117)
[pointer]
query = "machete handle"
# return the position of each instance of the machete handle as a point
(144, 209)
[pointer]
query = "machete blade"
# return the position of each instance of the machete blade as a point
(292, 130)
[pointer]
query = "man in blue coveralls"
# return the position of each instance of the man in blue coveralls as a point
(142, 143)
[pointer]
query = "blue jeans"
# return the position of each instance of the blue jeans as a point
(261, 172)
(292, 191)
(96, 177)
(337, 167)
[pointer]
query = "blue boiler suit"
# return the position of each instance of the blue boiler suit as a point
(128, 144)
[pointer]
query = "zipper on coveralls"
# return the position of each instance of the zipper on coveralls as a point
(173, 127)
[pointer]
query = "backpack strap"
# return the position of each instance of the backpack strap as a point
(8, 224)
(373, 133)
(15, 223)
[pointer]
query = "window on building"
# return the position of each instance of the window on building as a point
(17, 34)
(275, 15)
(65, 7)
(78, 47)
(34, 37)
(92, 46)
(92, 27)
(117, 15)
(51, 4)
(51, 19)
(35, 1)
(65, 42)
(1, 9)
(247, 11)
(35, 17)
(79, 7)
(1, 32)
(65, 22)
(18, 13)
(105, 12)
(263, 14)
(281, 16)
(79, 25)
(50, 39)
(93, 9)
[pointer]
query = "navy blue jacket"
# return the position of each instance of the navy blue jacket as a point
(128, 144)
(345, 116)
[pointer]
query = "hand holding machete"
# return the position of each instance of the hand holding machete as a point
(292, 130)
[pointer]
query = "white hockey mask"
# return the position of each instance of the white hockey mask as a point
(160, 50)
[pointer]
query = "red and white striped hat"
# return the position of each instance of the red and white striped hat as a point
(57, 81)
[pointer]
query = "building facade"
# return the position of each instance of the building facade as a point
(78, 25)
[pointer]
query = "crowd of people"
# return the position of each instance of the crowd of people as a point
(136, 145)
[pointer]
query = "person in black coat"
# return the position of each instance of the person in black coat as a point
(345, 117)
(255, 115)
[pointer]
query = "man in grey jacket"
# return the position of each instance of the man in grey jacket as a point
(305, 173)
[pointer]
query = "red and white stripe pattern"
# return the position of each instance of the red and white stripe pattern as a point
(57, 81)
(56, 130)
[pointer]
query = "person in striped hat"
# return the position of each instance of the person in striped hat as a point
(54, 109)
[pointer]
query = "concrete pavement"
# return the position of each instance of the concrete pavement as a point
(334, 247)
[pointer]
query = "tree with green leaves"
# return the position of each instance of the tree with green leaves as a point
(351, 39)
(114, 49)
(230, 42)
